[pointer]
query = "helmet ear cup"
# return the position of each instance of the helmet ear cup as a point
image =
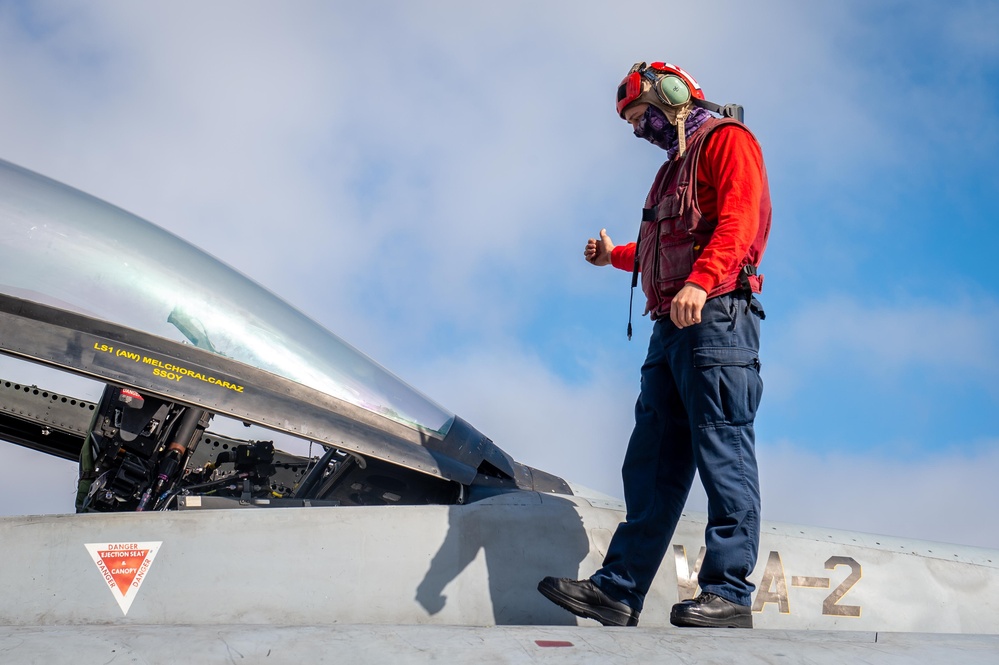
(672, 90)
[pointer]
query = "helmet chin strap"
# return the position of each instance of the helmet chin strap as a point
(677, 116)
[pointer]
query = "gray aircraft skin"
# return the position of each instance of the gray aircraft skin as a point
(410, 535)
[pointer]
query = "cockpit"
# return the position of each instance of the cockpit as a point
(180, 339)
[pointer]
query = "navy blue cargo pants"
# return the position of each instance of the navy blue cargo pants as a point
(700, 390)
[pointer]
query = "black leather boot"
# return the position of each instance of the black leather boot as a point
(585, 599)
(711, 611)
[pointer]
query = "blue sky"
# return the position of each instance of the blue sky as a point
(421, 177)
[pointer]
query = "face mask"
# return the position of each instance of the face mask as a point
(655, 128)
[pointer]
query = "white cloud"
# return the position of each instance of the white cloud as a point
(875, 341)
(948, 497)
(575, 430)
(249, 130)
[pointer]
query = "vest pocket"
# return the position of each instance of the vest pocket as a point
(676, 244)
(676, 255)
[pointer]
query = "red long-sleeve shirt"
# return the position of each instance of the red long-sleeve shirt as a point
(729, 188)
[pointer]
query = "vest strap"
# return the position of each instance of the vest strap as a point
(748, 270)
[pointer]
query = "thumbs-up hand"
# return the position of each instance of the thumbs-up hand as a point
(598, 252)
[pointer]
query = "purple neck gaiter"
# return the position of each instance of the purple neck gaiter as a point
(655, 128)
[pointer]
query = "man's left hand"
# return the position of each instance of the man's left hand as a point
(687, 304)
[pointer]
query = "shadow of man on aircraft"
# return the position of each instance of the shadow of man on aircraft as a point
(523, 536)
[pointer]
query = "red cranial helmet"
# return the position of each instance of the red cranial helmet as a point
(661, 84)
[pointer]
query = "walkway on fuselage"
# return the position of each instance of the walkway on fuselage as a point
(378, 644)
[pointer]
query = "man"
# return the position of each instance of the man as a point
(705, 227)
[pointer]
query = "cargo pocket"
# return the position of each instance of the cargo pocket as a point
(731, 382)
